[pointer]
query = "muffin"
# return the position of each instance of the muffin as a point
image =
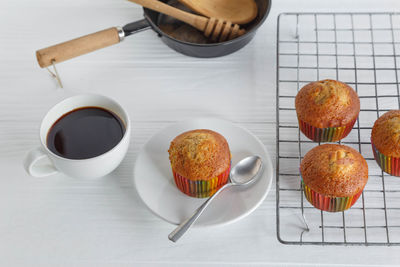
(385, 140)
(333, 176)
(327, 110)
(200, 162)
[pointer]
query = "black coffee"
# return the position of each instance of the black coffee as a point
(85, 133)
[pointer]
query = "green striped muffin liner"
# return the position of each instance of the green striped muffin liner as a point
(388, 164)
(330, 134)
(201, 188)
(326, 203)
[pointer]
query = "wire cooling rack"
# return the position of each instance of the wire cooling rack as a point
(362, 50)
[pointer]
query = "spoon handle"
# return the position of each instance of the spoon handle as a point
(186, 224)
(199, 22)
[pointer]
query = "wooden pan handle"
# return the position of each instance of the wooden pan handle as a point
(79, 46)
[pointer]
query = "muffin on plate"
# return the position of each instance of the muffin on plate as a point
(200, 162)
(385, 140)
(333, 176)
(327, 110)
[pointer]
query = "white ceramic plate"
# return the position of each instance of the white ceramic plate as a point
(155, 184)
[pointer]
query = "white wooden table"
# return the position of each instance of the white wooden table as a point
(65, 221)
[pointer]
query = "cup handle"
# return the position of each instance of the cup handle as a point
(32, 166)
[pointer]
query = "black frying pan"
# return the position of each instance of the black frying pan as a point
(177, 37)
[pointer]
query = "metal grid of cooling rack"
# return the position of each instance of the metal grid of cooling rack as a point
(362, 50)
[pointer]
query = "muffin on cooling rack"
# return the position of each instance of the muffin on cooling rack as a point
(327, 110)
(200, 161)
(385, 140)
(333, 176)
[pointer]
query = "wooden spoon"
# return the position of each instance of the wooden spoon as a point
(216, 29)
(235, 11)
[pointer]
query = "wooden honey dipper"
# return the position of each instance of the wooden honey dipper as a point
(213, 28)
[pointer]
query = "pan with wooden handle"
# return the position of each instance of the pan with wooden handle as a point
(91, 42)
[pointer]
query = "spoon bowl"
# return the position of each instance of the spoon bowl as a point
(246, 172)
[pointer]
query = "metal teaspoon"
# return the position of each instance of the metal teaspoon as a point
(246, 172)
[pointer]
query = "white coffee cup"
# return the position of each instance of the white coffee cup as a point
(81, 168)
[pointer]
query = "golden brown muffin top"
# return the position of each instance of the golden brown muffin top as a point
(199, 154)
(327, 103)
(334, 170)
(386, 133)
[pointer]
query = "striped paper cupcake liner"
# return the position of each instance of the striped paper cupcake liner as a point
(331, 134)
(201, 188)
(331, 204)
(388, 164)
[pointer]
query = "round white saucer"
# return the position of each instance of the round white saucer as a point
(156, 187)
